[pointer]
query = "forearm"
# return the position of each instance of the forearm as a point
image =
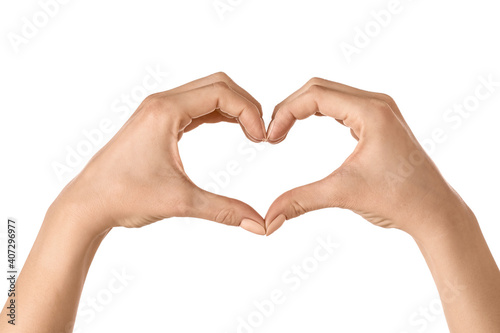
(51, 281)
(465, 273)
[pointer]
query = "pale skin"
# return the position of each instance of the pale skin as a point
(420, 202)
(138, 179)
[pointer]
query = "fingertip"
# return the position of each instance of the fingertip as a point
(254, 127)
(270, 130)
(275, 224)
(259, 130)
(279, 140)
(253, 226)
(254, 135)
(271, 133)
(263, 130)
(277, 131)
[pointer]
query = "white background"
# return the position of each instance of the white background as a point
(197, 276)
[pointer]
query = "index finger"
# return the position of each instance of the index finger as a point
(348, 108)
(219, 95)
(216, 77)
(343, 88)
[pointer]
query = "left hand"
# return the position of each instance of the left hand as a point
(137, 178)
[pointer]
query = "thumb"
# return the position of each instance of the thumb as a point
(325, 193)
(229, 211)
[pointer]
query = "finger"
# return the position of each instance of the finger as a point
(216, 77)
(211, 118)
(342, 88)
(213, 207)
(214, 117)
(345, 107)
(282, 138)
(204, 100)
(305, 199)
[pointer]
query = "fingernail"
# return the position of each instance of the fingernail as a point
(275, 224)
(264, 134)
(270, 130)
(252, 226)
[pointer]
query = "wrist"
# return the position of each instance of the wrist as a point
(451, 224)
(442, 213)
(80, 204)
(76, 216)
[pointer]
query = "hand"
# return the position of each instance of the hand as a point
(388, 179)
(138, 177)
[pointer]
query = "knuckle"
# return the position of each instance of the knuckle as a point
(153, 104)
(152, 100)
(220, 85)
(315, 89)
(315, 81)
(386, 98)
(158, 107)
(297, 208)
(226, 216)
(381, 110)
(379, 105)
(220, 76)
(317, 92)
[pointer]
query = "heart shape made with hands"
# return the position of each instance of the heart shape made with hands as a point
(231, 97)
(361, 182)
(370, 182)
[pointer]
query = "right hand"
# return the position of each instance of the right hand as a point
(388, 179)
